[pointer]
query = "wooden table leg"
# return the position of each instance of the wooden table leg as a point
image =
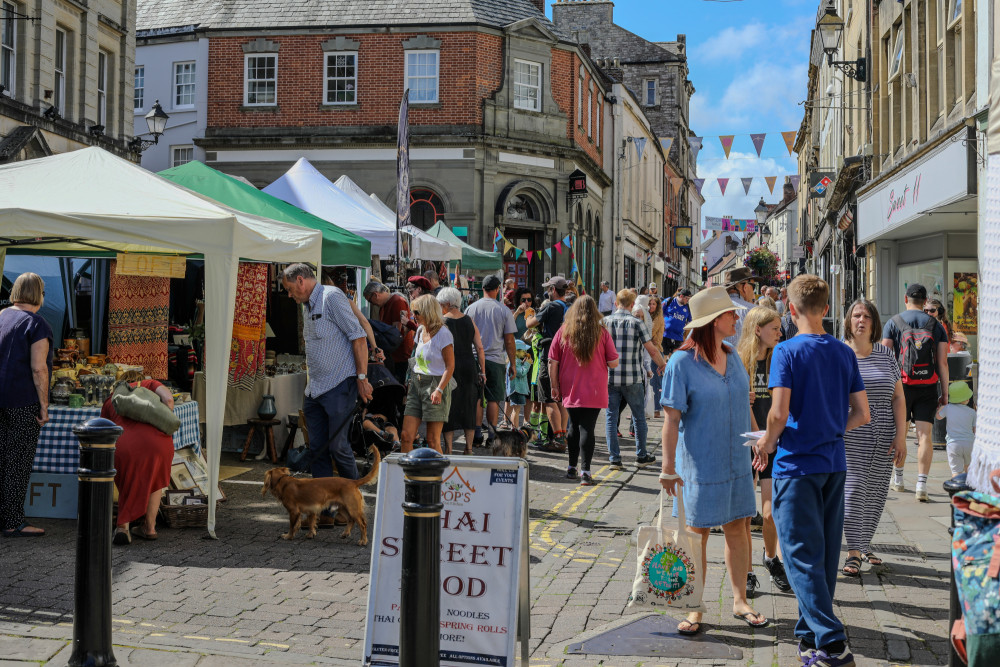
(249, 440)
(289, 439)
(270, 443)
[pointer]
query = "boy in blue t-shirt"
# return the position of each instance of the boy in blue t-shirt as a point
(818, 395)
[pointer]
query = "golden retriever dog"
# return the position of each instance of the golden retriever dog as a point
(312, 496)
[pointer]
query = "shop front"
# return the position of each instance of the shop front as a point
(918, 224)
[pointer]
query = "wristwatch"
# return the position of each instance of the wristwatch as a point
(362, 376)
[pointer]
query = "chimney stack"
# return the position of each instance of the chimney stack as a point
(789, 192)
(540, 4)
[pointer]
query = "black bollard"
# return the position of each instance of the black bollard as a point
(92, 593)
(420, 580)
(953, 486)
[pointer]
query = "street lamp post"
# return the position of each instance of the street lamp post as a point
(831, 31)
(761, 214)
(156, 122)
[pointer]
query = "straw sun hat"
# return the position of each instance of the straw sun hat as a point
(708, 304)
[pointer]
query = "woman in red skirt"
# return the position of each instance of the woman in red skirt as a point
(143, 456)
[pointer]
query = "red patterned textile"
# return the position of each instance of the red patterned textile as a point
(246, 357)
(138, 311)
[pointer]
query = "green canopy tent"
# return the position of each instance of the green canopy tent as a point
(473, 259)
(340, 247)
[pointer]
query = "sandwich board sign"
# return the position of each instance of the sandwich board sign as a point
(485, 604)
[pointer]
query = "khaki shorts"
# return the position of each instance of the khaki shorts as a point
(418, 399)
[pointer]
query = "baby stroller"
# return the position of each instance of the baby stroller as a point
(380, 421)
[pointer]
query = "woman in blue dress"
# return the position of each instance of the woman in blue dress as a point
(705, 397)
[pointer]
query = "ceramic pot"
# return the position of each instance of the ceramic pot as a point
(83, 344)
(70, 344)
(267, 409)
(67, 357)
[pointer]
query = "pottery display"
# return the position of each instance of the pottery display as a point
(97, 360)
(267, 409)
(71, 344)
(66, 357)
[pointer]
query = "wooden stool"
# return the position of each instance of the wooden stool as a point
(267, 430)
(293, 427)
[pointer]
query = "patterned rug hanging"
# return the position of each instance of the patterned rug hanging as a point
(138, 312)
(246, 357)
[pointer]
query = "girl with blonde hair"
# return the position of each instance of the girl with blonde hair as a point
(429, 395)
(761, 332)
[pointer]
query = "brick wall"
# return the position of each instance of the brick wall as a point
(565, 73)
(470, 70)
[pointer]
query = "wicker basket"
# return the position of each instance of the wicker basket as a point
(187, 516)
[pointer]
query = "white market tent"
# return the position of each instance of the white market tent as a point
(89, 202)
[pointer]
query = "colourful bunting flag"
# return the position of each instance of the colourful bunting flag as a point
(794, 180)
(640, 145)
(723, 182)
(508, 246)
(771, 180)
(529, 254)
(548, 252)
(517, 253)
(699, 183)
(695, 143)
(758, 141)
(676, 182)
(747, 182)
(567, 241)
(789, 138)
(666, 144)
(559, 247)
(727, 143)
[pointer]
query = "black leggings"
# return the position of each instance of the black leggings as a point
(581, 434)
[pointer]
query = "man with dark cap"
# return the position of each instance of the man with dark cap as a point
(739, 284)
(921, 345)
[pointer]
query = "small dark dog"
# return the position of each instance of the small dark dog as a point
(510, 442)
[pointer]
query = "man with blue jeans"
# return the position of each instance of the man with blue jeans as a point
(337, 355)
(818, 395)
(627, 380)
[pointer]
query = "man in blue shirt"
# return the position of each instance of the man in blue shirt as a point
(606, 300)
(676, 315)
(818, 395)
(337, 355)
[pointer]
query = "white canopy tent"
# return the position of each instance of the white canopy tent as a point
(89, 202)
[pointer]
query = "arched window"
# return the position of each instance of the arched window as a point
(426, 208)
(523, 206)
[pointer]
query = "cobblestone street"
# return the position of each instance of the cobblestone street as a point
(250, 598)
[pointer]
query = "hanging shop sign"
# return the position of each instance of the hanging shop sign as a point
(730, 224)
(484, 564)
(942, 176)
(819, 183)
(160, 266)
(682, 237)
(578, 184)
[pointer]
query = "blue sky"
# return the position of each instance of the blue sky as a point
(748, 62)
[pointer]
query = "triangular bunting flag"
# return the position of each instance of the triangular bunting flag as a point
(640, 145)
(794, 180)
(699, 183)
(695, 143)
(666, 144)
(517, 253)
(789, 138)
(771, 180)
(727, 143)
(548, 251)
(507, 246)
(567, 241)
(758, 141)
(559, 247)
(723, 182)
(747, 182)
(529, 254)
(676, 182)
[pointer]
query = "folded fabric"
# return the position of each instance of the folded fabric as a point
(142, 405)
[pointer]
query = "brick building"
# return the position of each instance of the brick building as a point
(503, 108)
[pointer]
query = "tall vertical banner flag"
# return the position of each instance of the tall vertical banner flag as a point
(747, 182)
(403, 168)
(758, 141)
(640, 145)
(695, 143)
(771, 180)
(723, 182)
(666, 144)
(789, 138)
(727, 143)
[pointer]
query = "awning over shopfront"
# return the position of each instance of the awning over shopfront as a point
(91, 202)
(340, 247)
(473, 259)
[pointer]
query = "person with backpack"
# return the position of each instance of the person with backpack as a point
(921, 345)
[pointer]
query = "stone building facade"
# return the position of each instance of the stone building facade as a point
(503, 108)
(65, 77)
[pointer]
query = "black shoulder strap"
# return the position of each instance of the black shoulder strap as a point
(900, 323)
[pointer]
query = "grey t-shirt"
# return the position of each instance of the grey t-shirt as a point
(493, 319)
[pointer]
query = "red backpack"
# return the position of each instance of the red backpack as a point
(917, 352)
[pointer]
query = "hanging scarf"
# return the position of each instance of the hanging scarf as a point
(246, 357)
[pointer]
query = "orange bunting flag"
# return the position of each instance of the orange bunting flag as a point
(676, 182)
(771, 180)
(789, 138)
(727, 143)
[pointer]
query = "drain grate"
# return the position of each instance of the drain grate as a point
(898, 549)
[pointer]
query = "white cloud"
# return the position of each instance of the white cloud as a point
(766, 90)
(731, 43)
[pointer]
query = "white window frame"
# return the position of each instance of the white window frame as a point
(327, 79)
(645, 92)
(59, 70)
(954, 12)
(896, 59)
(590, 109)
(173, 154)
(176, 84)
(102, 86)
(139, 91)
(579, 98)
(597, 121)
(8, 49)
(436, 77)
(247, 80)
(523, 88)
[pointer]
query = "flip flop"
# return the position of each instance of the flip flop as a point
(19, 531)
(746, 619)
(140, 531)
(692, 629)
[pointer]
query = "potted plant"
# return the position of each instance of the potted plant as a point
(762, 262)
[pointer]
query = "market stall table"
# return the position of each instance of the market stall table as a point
(59, 451)
(241, 406)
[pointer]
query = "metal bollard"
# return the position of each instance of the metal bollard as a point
(92, 592)
(953, 486)
(420, 585)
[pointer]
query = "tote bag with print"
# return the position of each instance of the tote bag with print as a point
(669, 566)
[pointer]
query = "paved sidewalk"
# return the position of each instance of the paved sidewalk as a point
(252, 599)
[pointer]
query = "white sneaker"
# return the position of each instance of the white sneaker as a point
(897, 486)
(921, 494)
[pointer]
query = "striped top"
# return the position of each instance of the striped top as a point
(880, 372)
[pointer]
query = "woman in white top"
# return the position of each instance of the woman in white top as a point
(429, 396)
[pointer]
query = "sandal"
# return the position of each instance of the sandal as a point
(692, 629)
(852, 566)
(121, 538)
(21, 532)
(872, 558)
(746, 619)
(140, 531)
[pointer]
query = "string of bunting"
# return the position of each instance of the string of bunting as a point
(696, 143)
(746, 181)
(501, 241)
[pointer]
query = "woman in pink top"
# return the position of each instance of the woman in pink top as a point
(581, 354)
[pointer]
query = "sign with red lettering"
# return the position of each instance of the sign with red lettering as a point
(483, 562)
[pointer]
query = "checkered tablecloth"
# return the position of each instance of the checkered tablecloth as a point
(59, 451)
